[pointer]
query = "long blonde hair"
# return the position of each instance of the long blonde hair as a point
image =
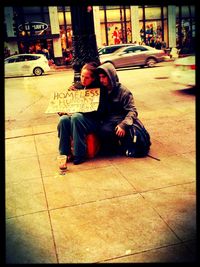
(92, 67)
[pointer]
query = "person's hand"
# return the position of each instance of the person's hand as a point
(72, 88)
(64, 113)
(119, 131)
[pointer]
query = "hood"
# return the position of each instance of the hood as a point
(110, 71)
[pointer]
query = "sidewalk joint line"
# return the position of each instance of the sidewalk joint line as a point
(26, 135)
(153, 157)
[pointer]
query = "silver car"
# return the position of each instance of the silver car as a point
(26, 64)
(108, 49)
(135, 55)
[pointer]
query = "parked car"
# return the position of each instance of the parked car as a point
(26, 64)
(111, 48)
(184, 71)
(134, 55)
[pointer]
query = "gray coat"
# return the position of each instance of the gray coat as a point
(119, 105)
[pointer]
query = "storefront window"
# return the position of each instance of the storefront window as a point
(68, 18)
(129, 33)
(142, 33)
(185, 11)
(185, 29)
(165, 12)
(32, 21)
(152, 34)
(140, 13)
(113, 15)
(114, 33)
(101, 15)
(166, 39)
(103, 34)
(64, 18)
(118, 25)
(61, 18)
(152, 13)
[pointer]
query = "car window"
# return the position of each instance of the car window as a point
(10, 60)
(102, 51)
(20, 59)
(135, 49)
(130, 50)
(30, 57)
(142, 48)
(121, 49)
(37, 57)
(110, 49)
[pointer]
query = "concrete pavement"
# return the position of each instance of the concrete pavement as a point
(108, 209)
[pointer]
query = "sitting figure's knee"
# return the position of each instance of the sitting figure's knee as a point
(76, 117)
(64, 119)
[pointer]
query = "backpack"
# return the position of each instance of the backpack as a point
(136, 142)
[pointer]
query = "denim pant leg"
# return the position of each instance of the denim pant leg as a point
(80, 127)
(64, 134)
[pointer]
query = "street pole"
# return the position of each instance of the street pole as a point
(84, 44)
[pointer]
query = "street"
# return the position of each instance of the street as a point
(109, 209)
(26, 98)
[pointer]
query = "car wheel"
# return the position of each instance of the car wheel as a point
(37, 71)
(151, 62)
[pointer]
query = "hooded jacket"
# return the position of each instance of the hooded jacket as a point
(119, 105)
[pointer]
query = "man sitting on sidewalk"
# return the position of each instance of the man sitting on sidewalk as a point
(119, 108)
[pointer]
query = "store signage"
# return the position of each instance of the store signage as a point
(33, 26)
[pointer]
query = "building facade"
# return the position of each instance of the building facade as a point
(29, 29)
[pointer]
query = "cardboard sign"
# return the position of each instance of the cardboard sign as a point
(86, 100)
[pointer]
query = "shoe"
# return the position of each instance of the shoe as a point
(78, 160)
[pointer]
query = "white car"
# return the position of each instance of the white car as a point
(25, 65)
(184, 71)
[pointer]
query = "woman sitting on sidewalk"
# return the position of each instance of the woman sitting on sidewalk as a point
(78, 125)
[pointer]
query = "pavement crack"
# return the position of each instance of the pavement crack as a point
(153, 157)
(21, 111)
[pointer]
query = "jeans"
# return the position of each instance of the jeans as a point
(76, 127)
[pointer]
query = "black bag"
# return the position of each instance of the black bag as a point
(136, 142)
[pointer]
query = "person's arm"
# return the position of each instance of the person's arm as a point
(129, 107)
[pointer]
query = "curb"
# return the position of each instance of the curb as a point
(62, 67)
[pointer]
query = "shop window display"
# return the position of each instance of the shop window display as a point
(116, 24)
(114, 33)
(152, 33)
(129, 34)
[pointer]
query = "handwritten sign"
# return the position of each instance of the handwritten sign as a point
(74, 101)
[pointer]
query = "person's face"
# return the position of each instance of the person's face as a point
(104, 80)
(86, 77)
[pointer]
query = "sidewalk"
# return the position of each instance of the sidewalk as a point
(112, 209)
(61, 67)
